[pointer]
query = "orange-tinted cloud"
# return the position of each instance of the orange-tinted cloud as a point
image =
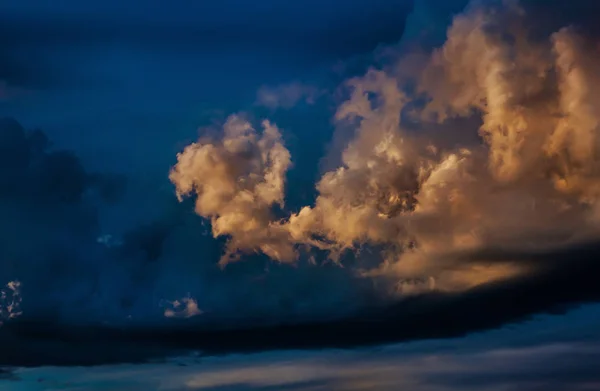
(533, 181)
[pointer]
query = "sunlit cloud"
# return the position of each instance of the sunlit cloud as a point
(238, 180)
(183, 308)
(532, 182)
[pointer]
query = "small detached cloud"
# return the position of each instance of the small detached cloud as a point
(286, 96)
(10, 301)
(184, 308)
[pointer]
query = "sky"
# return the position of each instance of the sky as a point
(404, 191)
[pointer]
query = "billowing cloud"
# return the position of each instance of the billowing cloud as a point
(237, 181)
(531, 182)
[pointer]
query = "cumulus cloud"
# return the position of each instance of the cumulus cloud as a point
(237, 181)
(531, 182)
(286, 96)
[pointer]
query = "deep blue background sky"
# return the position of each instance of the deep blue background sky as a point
(126, 85)
(116, 78)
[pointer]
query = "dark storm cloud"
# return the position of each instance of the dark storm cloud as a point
(49, 204)
(553, 14)
(568, 279)
(32, 171)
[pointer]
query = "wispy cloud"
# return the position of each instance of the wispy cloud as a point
(286, 96)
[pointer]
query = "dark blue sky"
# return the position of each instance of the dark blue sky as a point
(126, 85)
(122, 80)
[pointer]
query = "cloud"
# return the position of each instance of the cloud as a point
(569, 278)
(184, 308)
(286, 96)
(10, 301)
(237, 181)
(49, 205)
(531, 182)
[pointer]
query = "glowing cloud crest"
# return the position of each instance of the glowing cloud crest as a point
(533, 180)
